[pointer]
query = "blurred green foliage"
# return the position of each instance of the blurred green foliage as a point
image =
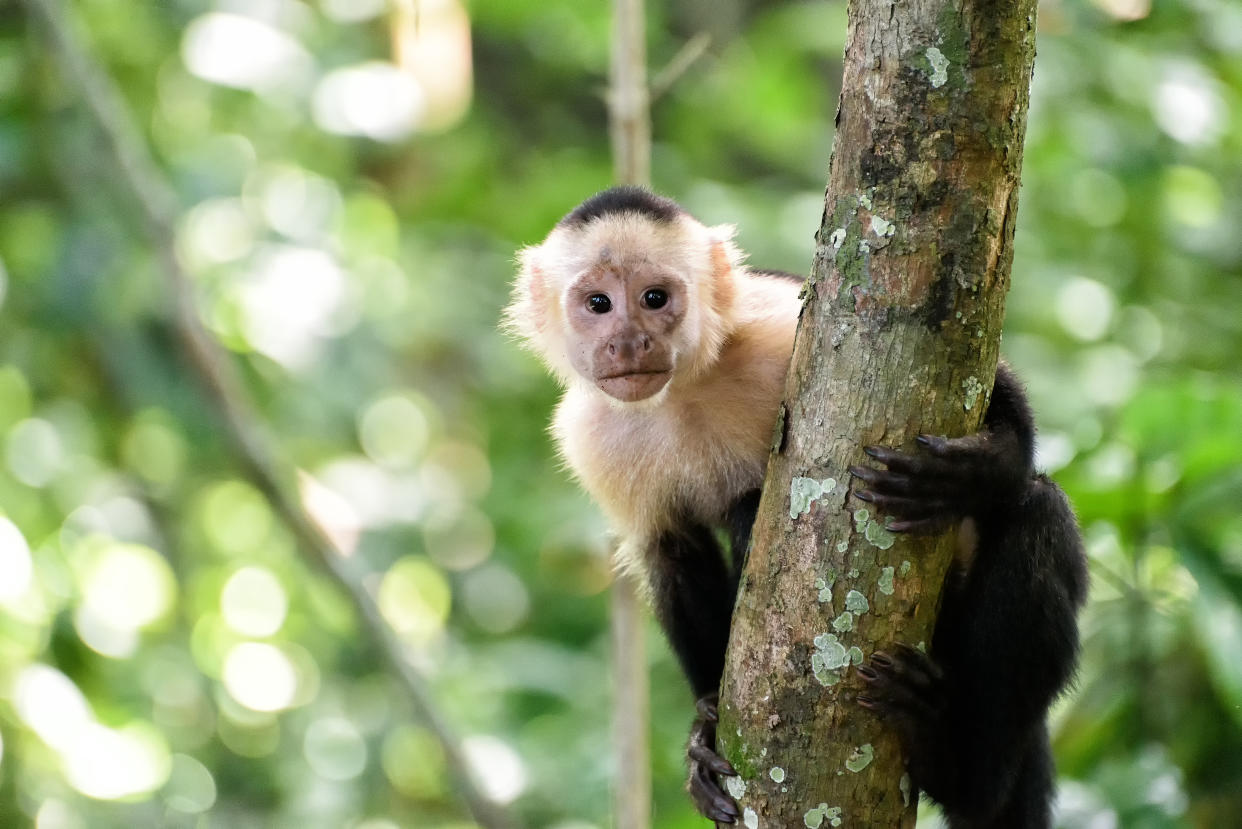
(166, 656)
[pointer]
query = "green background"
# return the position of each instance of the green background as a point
(167, 655)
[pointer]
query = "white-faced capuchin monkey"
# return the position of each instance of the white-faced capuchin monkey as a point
(673, 356)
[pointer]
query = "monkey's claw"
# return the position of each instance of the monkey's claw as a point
(706, 766)
(943, 481)
(906, 688)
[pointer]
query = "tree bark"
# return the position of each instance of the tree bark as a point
(899, 336)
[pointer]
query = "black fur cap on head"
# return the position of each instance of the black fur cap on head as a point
(626, 199)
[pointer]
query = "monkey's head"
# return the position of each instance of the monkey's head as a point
(628, 293)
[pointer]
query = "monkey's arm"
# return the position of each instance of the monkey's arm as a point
(971, 715)
(693, 590)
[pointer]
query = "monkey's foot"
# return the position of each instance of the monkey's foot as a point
(907, 690)
(950, 478)
(706, 767)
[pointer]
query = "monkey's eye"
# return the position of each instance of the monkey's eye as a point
(599, 303)
(655, 298)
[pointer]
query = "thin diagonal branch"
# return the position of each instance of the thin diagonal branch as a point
(141, 180)
(686, 57)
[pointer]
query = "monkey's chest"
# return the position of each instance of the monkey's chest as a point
(649, 471)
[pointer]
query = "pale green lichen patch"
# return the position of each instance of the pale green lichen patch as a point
(804, 491)
(824, 586)
(939, 66)
(973, 389)
(777, 774)
(829, 659)
(842, 546)
(905, 569)
(833, 815)
(860, 758)
(879, 535)
(843, 623)
(837, 238)
(885, 584)
(854, 656)
(865, 201)
(856, 602)
(814, 818)
(904, 785)
(872, 530)
(882, 227)
(750, 818)
(736, 786)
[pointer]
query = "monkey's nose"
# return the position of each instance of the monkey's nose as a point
(629, 346)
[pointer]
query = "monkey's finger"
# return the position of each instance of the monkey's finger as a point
(895, 483)
(894, 459)
(887, 695)
(714, 762)
(910, 666)
(914, 659)
(906, 508)
(708, 797)
(945, 447)
(706, 706)
(922, 526)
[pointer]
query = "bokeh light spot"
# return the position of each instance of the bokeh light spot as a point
(393, 431)
(496, 598)
(260, 676)
(154, 448)
(414, 597)
(374, 99)
(413, 762)
(1187, 105)
(235, 517)
(253, 602)
(15, 564)
(216, 231)
(1192, 196)
(127, 586)
(500, 770)
(190, 788)
(35, 452)
(334, 749)
(1085, 308)
(110, 764)
(233, 50)
(51, 705)
(459, 538)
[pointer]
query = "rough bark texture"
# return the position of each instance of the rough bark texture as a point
(899, 336)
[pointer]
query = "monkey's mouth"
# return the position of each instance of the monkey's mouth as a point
(629, 386)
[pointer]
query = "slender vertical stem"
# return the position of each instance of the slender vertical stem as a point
(630, 120)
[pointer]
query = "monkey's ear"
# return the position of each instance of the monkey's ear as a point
(528, 313)
(725, 258)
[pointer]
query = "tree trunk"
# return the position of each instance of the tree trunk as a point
(899, 336)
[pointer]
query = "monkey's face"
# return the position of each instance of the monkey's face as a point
(626, 327)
